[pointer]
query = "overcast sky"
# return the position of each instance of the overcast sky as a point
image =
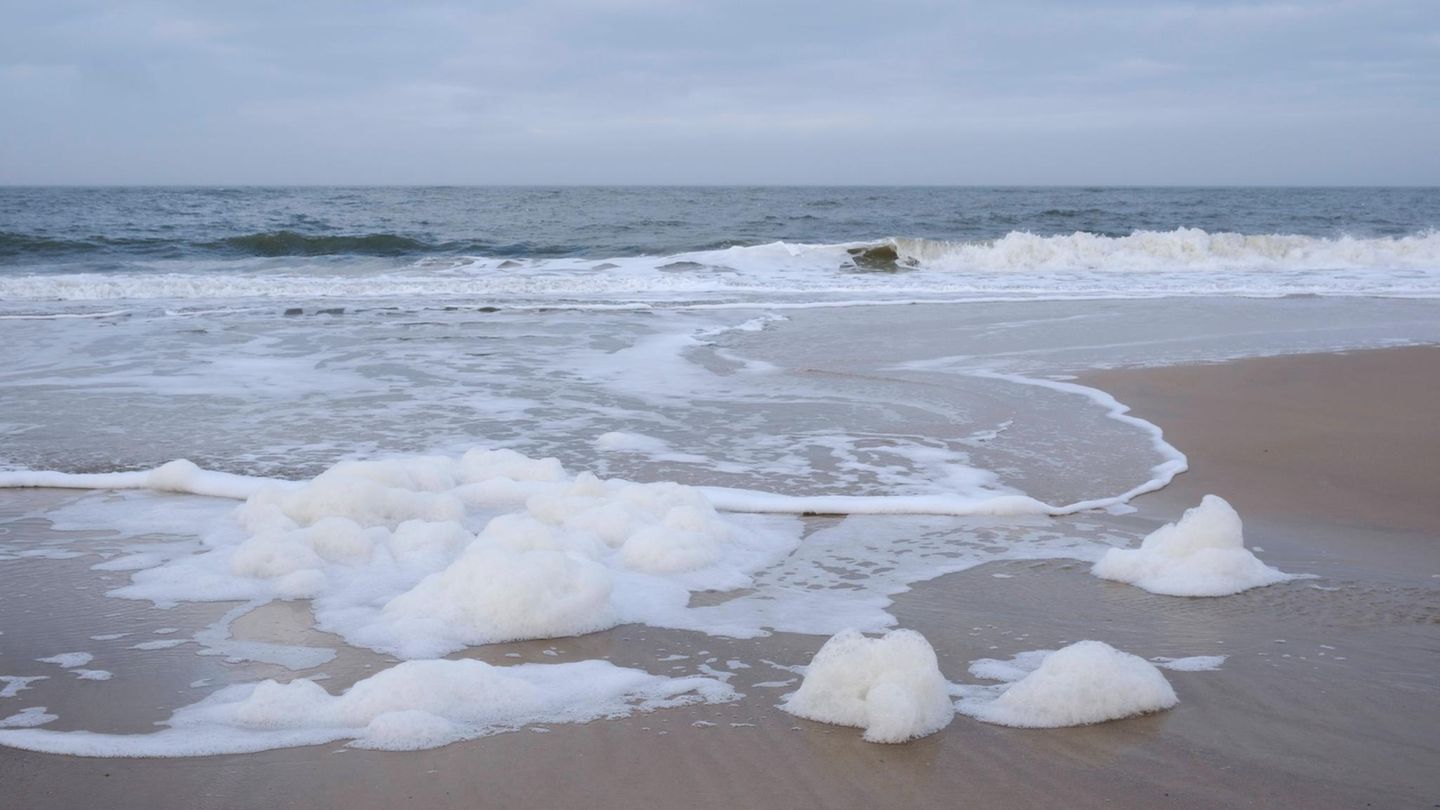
(720, 91)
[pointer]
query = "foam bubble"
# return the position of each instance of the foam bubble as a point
(1084, 683)
(422, 556)
(889, 686)
(1202, 554)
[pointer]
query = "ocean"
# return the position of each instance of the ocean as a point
(668, 245)
(274, 331)
(470, 416)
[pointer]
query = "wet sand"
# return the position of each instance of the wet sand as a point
(1328, 699)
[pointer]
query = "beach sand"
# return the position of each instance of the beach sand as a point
(1328, 698)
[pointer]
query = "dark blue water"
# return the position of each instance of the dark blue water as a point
(104, 228)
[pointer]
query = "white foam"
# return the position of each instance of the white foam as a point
(743, 500)
(15, 684)
(27, 718)
(1183, 249)
(658, 449)
(389, 553)
(846, 574)
(413, 705)
(1194, 663)
(68, 660)
(890, 686)
(974, 492)
(216, 639)
(1202, 554)
(622, 442)
(160, 644)
(1161, 474)
(177, 476)
(1084, 683)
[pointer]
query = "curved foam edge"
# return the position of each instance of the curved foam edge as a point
(1162, 474)
(180, 475)
(183, 476)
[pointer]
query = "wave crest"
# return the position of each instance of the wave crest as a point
(1186, 261)
(1182, 248)
(292, 243)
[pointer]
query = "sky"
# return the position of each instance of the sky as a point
(714, 92)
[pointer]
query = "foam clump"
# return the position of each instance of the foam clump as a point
(1084, 683)
(422, 556)
(410, 706)
(889, 686)
(1202, 554)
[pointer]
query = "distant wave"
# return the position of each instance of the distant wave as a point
(291, 243)
(1186, 261)
(265, 244)
(22, 244)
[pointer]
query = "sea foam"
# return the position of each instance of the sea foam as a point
(1202, 554)
(891, 686)
(422, 556)
(412, 705)
(1084, 683)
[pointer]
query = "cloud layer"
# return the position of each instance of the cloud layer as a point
(709, 91)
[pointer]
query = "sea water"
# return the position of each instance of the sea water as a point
(705, 369)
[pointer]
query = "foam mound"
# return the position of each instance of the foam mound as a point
(890, 686)
(422, 556)
(1202, 554)
(1084, 683)
(412, 705)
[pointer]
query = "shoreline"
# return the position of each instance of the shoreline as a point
(1331, 441)
(1327, 699)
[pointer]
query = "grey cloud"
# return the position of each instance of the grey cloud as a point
(677, 91)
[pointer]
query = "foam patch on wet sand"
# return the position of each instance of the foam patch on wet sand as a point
(1084, 683)
(890, 686)
(413, 705)
(1202, 554)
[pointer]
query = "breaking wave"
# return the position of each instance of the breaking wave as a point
(1185, 261)
(1180, 249)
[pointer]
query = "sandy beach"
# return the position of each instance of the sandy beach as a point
(1326, 699)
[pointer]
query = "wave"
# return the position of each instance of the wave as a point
(23, 245)
(1180, 249)
(1186, 261)
(1023, 251)
(263, 244)
(292, 243)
